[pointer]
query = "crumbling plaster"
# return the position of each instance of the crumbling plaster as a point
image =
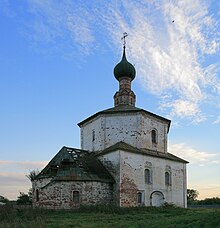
(132, 128)
(132, 178)
(59, 194)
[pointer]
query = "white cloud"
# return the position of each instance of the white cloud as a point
(169, 55)
(217, 121)
(25, 165)
(192, 155)
(168, 42)
(13, 176)
(184, 108)
(13, 183)
(216, 162)
(60, 23)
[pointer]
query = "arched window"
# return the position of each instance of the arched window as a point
(37, 195)
(148, 178)
(139, 197)
(167, 179)
(154, 136)
(76, 196)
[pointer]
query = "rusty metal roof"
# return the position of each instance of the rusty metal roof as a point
(126, 147)
(125, 109)
(75, 165)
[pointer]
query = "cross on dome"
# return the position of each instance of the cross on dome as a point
(123, 38)
(125, 73)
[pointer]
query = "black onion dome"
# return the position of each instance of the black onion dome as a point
(124, 69)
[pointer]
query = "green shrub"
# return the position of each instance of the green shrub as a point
(7, 212)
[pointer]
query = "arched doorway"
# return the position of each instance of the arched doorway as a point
(157, 199)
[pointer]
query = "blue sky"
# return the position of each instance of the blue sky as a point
(57, 59)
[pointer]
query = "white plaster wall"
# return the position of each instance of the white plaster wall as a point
(148, 124)
(133, 167)
(98, 126)
(132, 128)
(126, 128)
(128, 170)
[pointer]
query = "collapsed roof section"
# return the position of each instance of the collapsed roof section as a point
(71, 164)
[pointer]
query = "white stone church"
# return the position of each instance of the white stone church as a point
(123, 159)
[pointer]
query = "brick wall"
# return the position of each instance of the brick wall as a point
(59, 194)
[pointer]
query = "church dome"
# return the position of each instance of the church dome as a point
(124, 69)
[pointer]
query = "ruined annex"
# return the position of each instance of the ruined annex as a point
(123, 159)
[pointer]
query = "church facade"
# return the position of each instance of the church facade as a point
(123, 159)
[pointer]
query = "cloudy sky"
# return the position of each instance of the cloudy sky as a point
(57, 59)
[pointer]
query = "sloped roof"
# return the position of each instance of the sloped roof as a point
(126, 147)
(124, 109)
(75, 165)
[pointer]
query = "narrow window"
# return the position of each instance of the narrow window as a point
(147, 176)
(167, 179)
(76, 196)
(37, 195)
(154, 136)
(93, 135)
(139, 197)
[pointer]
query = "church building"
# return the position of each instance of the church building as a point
(123, 159)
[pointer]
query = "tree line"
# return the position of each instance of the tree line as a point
(193, 194)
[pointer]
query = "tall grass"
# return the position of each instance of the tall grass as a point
(113, 209)
(24, 217)
(109, 216)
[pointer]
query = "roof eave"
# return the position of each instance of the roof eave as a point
(139, 151)
(124, 111)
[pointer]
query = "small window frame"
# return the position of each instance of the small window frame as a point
(37, 195)
(139, 197)
(93, 135)
(75, 197)
(148, 176)
(154, 136)
(167, 178)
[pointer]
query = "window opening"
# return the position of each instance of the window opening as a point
(93, 135)
(167, 179)
(147, 176)
(154, 136)
(139, 197)
(37, 195)
(76, 196)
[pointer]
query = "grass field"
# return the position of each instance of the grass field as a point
(103, 216)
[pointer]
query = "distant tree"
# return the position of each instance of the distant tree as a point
(210, 201)
(3, 199)
(24, 199)
(32, 175)
(192, 195)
